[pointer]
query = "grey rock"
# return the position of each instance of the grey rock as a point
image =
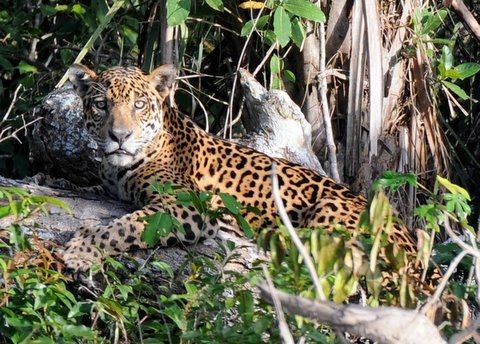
(60, 145)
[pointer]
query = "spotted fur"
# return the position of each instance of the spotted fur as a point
(144, 141)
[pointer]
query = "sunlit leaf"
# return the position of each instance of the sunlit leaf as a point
(433, 21)
(466, 70)
(247, 28)
(282, 26)
(25, 68)
(175, 313)
(304, 9)
(456, 89)
(177, 11)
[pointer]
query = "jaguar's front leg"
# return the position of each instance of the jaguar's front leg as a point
(88, 246)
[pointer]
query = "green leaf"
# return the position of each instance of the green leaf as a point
(129, 33)
(433, 21)
(5, 64)
(451, 73)
(276, 83)
(393, 180)
(456, 89)
(244, 225)
(275, 64)
(453, 188)
(247, 28)
(162, 266)
(288, 74)
(282, 26)
(298, 32)
(304, 9)
(52, 201)
(81, 331)
(215, 4)
(25, 68)
(245, 307)
(158, 225)
(177, 11)
(48, 10)
(230, 203)
(269, 37)
(78, 9)
(61, 8)
(466, 70)
(447, 57)
(5, 211)
(175, 313)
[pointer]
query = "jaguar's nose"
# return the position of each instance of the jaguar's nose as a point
(119, 135)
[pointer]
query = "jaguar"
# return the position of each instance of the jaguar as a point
(144, 140)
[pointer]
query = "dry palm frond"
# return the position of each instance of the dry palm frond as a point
(355, 90)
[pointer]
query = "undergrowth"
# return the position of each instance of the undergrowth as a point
(144, 301)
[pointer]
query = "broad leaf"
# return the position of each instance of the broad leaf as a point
(453, 188)
(456, 89)
(282, 26)
(434, 21)
(230, 203)
(304, 9)
(466, 70)
(177, 11)
(247, 28)
(215, 4)
(298, 32)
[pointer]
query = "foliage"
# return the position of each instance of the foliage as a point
(425, 25)
(217, 304)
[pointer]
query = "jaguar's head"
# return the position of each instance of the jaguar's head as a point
(123, 107)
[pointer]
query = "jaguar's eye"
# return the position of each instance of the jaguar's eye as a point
(100, 104)
(140, 104)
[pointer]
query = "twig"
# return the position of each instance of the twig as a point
(264, 60)
(439, 289)
(455, 238)
(293, 234)
(14, 134)
(12, 103)
(205, 112)
(322, 91)
(229, 117)
(466, 15)
(282, 323)
(200, 20)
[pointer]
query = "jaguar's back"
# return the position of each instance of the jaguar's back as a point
(145, 141)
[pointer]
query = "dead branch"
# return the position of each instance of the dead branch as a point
(386, 325)
(275, 125)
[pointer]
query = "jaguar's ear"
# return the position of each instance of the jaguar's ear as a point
(162, 78)
(81, 77)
